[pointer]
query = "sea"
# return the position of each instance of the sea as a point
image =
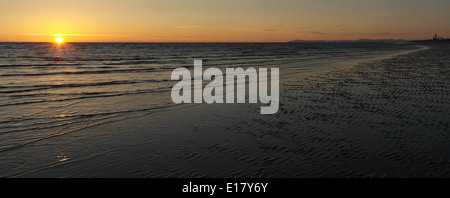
(48, 90)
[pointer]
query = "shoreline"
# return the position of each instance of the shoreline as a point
(346, 64)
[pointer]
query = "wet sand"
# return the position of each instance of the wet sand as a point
(385, 118)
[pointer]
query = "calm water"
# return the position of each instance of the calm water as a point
(47, 90)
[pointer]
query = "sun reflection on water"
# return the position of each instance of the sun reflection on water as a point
(61, 157)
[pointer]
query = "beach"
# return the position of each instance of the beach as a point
(381, 118)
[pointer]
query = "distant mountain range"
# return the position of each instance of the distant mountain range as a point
(360, 40)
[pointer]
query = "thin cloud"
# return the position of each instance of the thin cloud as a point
(346, 27)
(395, 27)
(280, 31)
(382, 34)
(160, 36)
(75, 35)
(436, 18)
(265, 30)
(255, 30)
(309, 32)
(187, 26)
(55, 35)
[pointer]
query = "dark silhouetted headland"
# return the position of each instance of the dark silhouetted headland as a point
(359, 40)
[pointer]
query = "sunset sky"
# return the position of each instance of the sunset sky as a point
(221, 21)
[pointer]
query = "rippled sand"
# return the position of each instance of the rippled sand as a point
(388, 118)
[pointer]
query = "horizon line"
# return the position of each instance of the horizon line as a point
(297, 40)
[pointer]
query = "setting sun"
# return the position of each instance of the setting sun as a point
(59, 39)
